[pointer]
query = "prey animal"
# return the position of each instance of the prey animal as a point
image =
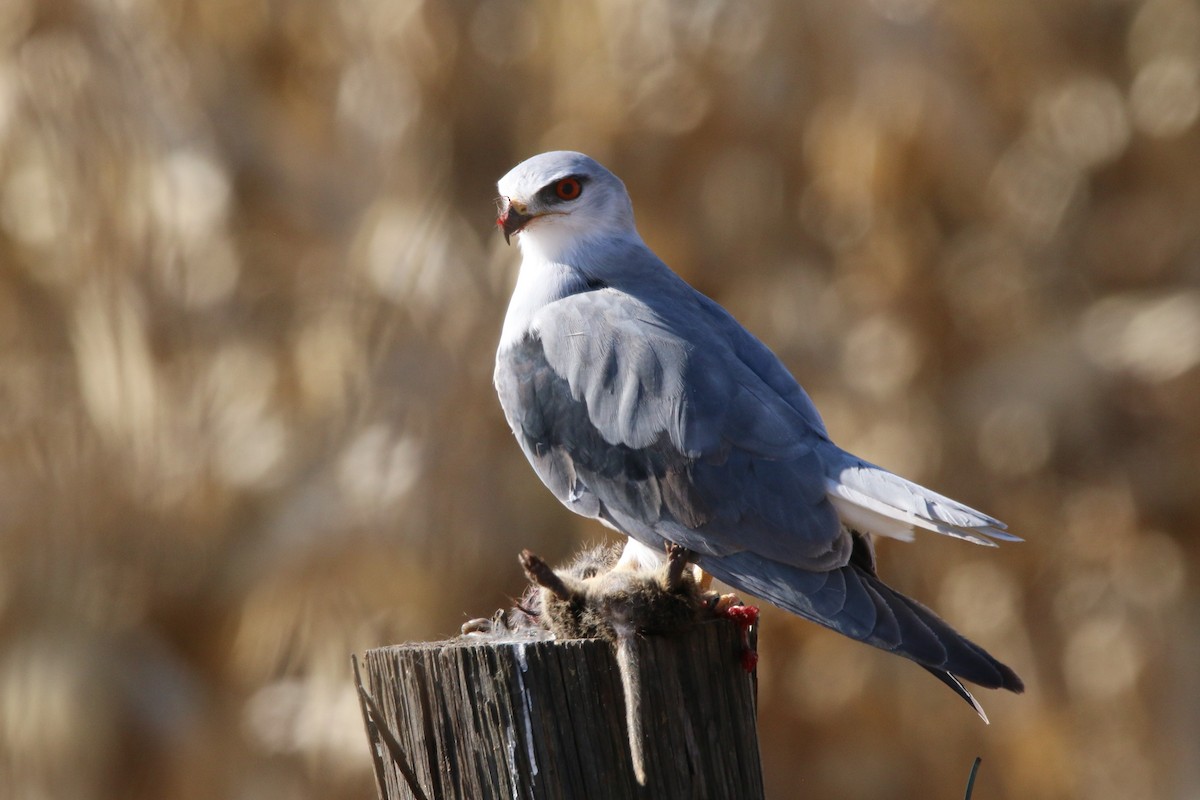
(643, 404)
(593, 598)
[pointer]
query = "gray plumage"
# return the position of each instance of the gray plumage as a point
(642, 403)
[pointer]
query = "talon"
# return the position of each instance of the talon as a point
(723, 603)
(677, 561)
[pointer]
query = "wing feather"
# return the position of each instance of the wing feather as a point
(874, 500)
(673, 435)
(872, 612)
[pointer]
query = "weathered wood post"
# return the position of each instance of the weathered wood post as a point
(537, 718)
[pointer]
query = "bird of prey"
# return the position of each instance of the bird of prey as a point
(642, 403)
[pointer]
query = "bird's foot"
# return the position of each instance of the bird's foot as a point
(677, 562)
(720, 604)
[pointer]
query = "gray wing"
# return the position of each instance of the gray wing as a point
(649, 417)
(853, 601)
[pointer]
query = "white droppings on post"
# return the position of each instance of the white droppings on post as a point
(526, 708)
(510, 740)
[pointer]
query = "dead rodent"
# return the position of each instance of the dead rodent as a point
(589, 597)
(593, 598)
(596, 597)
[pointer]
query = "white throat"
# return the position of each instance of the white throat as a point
(540, 282)
(553, 266)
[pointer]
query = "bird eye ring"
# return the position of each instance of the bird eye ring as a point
(568, 188)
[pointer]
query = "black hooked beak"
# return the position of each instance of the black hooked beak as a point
(512, 218)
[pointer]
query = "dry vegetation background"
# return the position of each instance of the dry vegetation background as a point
(250, 293)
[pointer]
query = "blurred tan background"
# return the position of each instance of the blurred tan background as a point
(250, 293)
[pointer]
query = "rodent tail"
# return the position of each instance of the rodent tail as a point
(629, 665)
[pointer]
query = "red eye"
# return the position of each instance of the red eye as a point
(568, 188)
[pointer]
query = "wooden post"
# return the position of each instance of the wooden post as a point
(504, 718)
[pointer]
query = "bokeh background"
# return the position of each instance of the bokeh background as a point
(250, 293)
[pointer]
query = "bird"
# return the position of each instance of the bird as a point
(642, 403)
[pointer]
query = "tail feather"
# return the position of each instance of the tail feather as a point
(856, 603)
(871, 499)
(956, 686)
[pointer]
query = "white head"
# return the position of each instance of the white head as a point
(556, 200)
